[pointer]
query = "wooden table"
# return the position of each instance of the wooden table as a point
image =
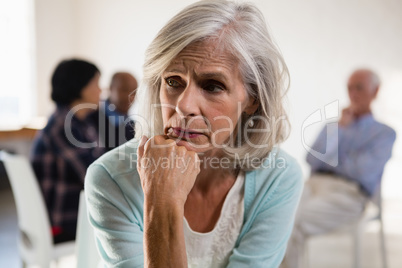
(22, 133)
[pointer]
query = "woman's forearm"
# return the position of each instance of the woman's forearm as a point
(165, 193)
(164, 244)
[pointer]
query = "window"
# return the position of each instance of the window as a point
(17, 89)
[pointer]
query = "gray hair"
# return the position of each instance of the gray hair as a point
(375, 80)
(242, 30)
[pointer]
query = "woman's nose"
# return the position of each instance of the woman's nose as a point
(188, 102)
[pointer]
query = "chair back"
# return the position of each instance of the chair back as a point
(377, 197)
(35, 241)
(86, 252)
(373, 210)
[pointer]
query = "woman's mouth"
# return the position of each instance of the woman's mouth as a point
(184, 133)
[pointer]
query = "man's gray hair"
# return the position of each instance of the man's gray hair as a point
(375, 79)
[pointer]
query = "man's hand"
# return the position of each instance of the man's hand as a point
(347, 117)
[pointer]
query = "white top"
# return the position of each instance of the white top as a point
(213, 249)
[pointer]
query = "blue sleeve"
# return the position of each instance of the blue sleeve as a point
(367, 164)
(119, 235)
(323, 155)
(264, 244)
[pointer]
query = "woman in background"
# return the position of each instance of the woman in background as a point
(204, 184)
(64, 149)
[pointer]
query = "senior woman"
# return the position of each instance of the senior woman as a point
(203, 184)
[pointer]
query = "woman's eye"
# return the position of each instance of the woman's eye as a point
(172, 83)
(213, 88)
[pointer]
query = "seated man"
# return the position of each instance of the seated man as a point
(114, 125)
(336, 195)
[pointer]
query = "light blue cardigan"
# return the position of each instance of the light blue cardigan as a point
(115, 206)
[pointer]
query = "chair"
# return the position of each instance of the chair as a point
(87, 255)
(373, 212)
(35, 241)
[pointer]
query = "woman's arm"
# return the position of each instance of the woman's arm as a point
(116, 217)
(163, 236)
(167, 173)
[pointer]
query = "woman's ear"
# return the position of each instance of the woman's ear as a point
(252, 106)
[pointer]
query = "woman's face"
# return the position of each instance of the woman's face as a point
(202, 96)
(91, 92)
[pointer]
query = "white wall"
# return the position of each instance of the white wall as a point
(56, 38)
(322, 42)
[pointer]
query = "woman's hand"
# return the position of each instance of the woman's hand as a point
(167, 174)
(167, 171)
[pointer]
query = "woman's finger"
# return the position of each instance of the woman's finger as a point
(140, 149)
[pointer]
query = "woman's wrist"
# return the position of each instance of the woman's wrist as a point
(163, 206)
(164, 244)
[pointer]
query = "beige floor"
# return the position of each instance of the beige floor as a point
(330, 251)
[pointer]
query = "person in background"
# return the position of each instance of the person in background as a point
(68, 144)
(203, 183)
(336, 193)
(122, 91)
(112, 119)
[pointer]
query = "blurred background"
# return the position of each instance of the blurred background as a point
(322, 43)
